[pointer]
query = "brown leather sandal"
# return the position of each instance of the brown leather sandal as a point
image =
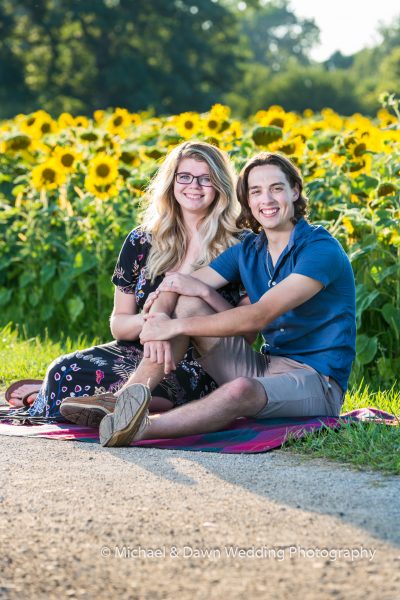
(17, 384)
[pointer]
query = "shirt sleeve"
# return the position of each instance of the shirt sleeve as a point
(227, 263)
(322, 260)
(131, 261)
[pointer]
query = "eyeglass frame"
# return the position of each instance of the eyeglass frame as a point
(197, 177)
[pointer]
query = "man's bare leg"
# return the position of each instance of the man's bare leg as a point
(130, 411)
(243, 397)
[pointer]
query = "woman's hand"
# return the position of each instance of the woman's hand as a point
(160, 353)
(185, 285)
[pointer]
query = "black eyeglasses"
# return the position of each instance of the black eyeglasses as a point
(187, 178)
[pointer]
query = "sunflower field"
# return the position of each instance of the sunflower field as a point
(71, 189)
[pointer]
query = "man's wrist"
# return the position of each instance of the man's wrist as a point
(178, 327)
(206, 295)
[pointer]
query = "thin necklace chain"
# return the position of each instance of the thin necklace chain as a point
(269, 272)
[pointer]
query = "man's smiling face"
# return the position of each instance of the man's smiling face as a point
(271, 198)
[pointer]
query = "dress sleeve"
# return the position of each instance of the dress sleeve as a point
(131, 261)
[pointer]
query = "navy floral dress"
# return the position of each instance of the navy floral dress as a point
(105, 368)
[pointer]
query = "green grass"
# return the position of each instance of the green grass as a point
(362, 445)
(22, 358)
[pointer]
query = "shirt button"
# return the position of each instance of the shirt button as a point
(281, 330)
(274, 283)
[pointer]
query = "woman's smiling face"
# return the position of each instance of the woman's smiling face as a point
(192, 197)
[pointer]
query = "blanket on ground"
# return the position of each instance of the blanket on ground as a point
(241, 436)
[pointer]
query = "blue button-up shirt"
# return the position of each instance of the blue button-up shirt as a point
(320, 332)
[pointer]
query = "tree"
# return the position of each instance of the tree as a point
(78, 56)
(310, 87)
(275, 34)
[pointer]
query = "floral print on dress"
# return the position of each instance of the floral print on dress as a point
(106, 367)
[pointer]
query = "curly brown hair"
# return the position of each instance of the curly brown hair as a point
(293, 175)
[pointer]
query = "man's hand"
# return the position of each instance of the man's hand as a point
(161, 353)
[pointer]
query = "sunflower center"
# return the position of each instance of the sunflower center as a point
(49, 175)
(189, 124)
(67, 160)
(45, 128)
(19, 142)
(118, 121)
(288, 148)
(212, 124)
(277, 122)
(360, 149)
(103, 170)
(357, 166)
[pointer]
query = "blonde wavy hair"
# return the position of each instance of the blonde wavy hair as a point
(163, 217)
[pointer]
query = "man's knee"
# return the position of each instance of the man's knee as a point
(191, 306)
(248, 393)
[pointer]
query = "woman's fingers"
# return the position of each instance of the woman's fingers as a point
(160, 353)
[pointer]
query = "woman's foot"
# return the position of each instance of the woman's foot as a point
(24, 394)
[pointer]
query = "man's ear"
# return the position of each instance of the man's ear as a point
(296, 192)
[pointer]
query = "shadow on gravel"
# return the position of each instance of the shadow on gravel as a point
(366, 499)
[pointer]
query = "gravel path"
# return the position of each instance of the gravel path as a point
(80, 521)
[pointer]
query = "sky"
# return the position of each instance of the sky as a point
(346, 25)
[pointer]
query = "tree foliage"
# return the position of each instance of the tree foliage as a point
(180, 55)
(79, 56)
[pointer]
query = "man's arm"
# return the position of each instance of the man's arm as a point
(293, 291)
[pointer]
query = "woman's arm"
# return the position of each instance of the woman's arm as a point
(201, 284)
(125, 323)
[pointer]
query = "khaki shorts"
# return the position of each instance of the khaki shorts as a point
(293, 389)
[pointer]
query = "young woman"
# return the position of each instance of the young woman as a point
(190, 219)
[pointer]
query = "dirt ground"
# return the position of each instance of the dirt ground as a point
(81, 521)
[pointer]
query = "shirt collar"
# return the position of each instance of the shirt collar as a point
(300, 229)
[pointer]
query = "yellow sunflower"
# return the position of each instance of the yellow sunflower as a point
(16, 143)
(103, 191)
(220, 112)
(48, 175)
(187, 124)
(38, 124)
(99, 116)
(234, 131)
(359, 166)
(118, 122)
(211, 125)
(136, 119)
(292, 146)
(276, 116)
(81, 121)
(348, 225)
(65, 120)
(386, 118)
(103, 169)
(67, 157)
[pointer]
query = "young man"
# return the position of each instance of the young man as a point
(301, 287)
